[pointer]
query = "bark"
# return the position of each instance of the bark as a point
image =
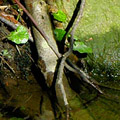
(47, 58)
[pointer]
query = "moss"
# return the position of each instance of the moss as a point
(102, 109)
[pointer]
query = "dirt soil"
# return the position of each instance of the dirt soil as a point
(20, 93)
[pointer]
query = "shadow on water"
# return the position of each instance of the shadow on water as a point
(104, 66)
(92, 105)
(12, 112)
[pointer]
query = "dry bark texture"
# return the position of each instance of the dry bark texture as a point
(47, 58)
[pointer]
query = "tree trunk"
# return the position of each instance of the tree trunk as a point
(47, 58)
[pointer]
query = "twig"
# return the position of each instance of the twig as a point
(3, 7)
(67, 112)
(18, 49)
(13, 26)
(8, 101)
(44, 35)
(7, 64)
(64, 57)
(84, 76)
(47, 39)
(22, 103)
(73, 68)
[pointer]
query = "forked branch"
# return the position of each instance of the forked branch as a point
(65, 56)
(72, 68)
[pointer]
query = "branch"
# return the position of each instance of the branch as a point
(39, 29)
(84, 76)
(64, 57)
(7, 64)
(73, 69)
(11, 24)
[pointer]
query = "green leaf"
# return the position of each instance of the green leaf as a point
(59, 34)
(5, 53)
(19, 36)
(81, 47)
(22, 108)
(60, 16)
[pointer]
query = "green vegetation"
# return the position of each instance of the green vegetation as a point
(22, 108)
(19, 36)
(60, 16)
(6, 53)
(81, 47)
(78, 46)
(59, 34)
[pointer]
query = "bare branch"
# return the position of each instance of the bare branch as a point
(84, 76)
(7, 64)
(11, 24)
(64, 57)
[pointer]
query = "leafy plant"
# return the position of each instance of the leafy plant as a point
(22, 108)
(77, 46)
(81, 47)
(19, 36)
(60, 16)
(5, 53)
(59, 34)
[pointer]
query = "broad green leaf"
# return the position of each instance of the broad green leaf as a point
(59, 34)
(19, 36)
(60, 16)
(81, 47)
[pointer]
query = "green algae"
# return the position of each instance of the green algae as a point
(102, 107)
